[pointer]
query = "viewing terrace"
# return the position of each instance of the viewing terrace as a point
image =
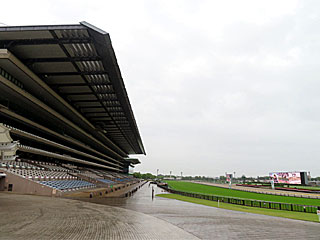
(64, 177)
(66, 120)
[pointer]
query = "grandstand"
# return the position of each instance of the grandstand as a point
(66, 123)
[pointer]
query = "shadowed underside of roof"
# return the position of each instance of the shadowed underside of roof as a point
(78, 62)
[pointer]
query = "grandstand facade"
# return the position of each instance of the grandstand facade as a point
(65, 116)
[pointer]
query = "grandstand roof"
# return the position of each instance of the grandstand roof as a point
(133, 161)
(78, 62)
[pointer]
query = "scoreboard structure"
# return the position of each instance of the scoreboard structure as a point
(295, 177)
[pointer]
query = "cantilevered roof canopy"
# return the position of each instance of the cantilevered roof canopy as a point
(133, 161)
(79, 64)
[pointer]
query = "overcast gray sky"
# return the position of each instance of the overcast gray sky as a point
(216, 86)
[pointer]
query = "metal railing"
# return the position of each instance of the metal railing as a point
(248, 202)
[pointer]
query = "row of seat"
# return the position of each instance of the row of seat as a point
(68, 184)
(18, 164)
(104, 176)
(122, 179)
(35, 165)
(41, 175)
(52, 167)
(59, 177)
(109, 182)
(107, 174)
(88, 174)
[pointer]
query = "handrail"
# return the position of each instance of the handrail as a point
(241, 201)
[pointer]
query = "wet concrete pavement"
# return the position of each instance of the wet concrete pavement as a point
(138, 217)
(214, 223)
(25, 217)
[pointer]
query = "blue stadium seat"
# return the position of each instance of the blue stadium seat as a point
(105, 181)
(67, 184)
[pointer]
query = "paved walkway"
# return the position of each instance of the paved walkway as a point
(213, 223)
(138, 217)
(34, 217)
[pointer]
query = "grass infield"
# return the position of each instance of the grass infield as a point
(271, 212)
(219, 191)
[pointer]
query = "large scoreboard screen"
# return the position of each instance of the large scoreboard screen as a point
(286, 177)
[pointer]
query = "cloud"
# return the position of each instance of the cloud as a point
(215, 86)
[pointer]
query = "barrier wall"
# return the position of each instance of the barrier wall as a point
(26, 186)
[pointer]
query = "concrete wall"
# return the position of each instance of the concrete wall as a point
(119, 190)
(26, 186)
(2, 183)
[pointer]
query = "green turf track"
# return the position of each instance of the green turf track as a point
(305, 187)
(271, 212)
(218, 191)
(288, 185)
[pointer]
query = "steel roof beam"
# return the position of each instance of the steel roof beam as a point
(46, 130)
(85, 101)
(76, 93)
(45, 41)
(90, 101)
(81, 73)
(52, 114)
(78, 84)
(101, 40)
(76, 59)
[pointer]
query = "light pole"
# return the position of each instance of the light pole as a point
(181, 175)
(157, 172)
(170, 174)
